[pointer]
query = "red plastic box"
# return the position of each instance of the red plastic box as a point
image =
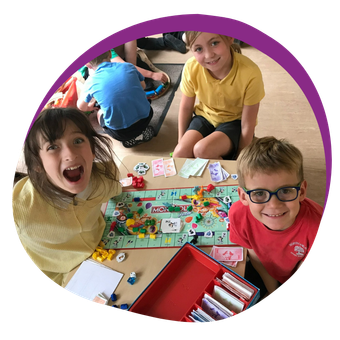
(181, 284)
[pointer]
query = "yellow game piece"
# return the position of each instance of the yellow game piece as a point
(102, 244)
(129, 222)
(98, 248)
(141, 235)
(100, 259)
(112, 251)
(109, 257)
(153, 236)
(94, 255)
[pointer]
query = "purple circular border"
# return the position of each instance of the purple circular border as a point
(226, 26)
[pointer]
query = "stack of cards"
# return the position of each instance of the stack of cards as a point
(235, 286)
(171, 225)
(193, 167)
(227, 255)
(217, 173)
(212, 310)
(162, 167)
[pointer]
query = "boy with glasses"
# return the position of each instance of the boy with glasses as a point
(273, 218)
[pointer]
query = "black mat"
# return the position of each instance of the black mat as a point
(161, 105)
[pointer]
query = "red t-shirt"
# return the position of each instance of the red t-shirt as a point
(279, 251)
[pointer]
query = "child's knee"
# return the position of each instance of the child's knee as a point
(183, 151)
(202, 150)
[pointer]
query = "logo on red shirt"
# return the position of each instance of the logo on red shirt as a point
(298, 249)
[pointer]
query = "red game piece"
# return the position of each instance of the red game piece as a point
(113, 224)
(184, 197)
(130, 174)
(210, 187)
(140, 179)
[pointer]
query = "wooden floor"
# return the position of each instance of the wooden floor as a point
(284, 113)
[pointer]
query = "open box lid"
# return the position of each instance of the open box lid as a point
(179, 284)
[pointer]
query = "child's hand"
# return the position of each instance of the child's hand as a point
(159, 76)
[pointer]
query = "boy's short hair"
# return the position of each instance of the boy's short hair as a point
(268, 155)
(100, 58)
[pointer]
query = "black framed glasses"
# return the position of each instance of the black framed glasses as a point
(285, 194)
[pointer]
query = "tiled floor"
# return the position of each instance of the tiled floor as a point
(284, 113)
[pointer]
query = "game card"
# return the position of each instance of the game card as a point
(157, 167)
(215, 172)
(227, 253)
(227, 299)
(125, 182)
(171, 225)
(169, 167)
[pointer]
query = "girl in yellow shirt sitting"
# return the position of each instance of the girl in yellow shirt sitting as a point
(57, 207)
(229, 88)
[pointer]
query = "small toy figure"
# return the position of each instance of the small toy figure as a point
(132, 278)
(120, 257)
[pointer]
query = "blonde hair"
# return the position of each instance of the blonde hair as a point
(191, 36)
(98, 60)
(269, 155)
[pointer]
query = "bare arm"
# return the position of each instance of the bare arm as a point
(248, 122)
(158, 76)
(83, 106)
(186, 109)
(270, 283)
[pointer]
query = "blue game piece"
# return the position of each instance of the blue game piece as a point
(195, 189)
(136, 199)
(132, 278)
(124, 306)
(113, 297)
(115, 306)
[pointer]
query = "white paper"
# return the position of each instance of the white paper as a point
(92, 278)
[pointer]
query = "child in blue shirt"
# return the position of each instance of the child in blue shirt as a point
(118, 88)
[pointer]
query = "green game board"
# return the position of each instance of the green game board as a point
(154, 205)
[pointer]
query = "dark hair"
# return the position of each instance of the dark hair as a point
(50, 126)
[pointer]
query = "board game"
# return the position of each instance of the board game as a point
(135, 218)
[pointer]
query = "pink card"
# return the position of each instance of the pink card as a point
(228, 253)
(157, 167)
(169, 167)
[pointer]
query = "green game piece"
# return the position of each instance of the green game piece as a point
(198, 218)
(206, 203)
(189, 208)
(177, 209)
(140, 211)
(143, 231)
(121, 229)
(153, 222)
(147, 222)
(129, 215)
(135, 229)
(171, 208)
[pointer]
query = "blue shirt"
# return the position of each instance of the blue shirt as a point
(117, 89)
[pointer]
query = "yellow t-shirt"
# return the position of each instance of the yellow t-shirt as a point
(222, 101)
(58, 240)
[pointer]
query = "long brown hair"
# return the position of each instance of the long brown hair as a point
(50, 125)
